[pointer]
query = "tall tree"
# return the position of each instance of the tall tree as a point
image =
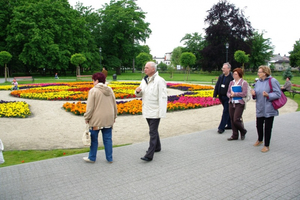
(4, 59)
(186, 60)
(226, 23)
(44, 34)
(241, 57)
(295, 55)
(77, 59)
(175, 57)
(194, 43)
(122, 28)
(261, 50)
(92, 23)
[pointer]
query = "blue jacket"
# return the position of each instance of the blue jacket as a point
(264, 107)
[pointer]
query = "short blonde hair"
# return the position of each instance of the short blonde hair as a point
(265, 70)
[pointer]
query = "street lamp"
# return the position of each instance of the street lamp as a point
(227, 46)
(100, 58)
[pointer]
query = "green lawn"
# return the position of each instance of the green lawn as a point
(18, 157)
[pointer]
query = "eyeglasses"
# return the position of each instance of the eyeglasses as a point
(260, 72)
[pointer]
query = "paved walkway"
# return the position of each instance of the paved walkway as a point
(201, 165)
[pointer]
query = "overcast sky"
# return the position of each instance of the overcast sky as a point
(170, 20)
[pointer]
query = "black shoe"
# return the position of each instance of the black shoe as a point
(146, 159)
(227, 127)
(220, 131)
(243, 136)
(158, 150)
(231, 138)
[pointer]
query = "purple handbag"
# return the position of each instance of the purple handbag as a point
(278, 103)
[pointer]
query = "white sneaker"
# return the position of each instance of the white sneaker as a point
(86, 159)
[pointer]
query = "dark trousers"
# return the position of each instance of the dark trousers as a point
(268, 122)
(225, 120)
(154, 143)
(237, 124)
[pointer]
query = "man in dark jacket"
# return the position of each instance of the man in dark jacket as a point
(221, 91)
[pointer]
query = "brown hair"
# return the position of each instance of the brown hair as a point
(100, 77)
(239, 71)
(265, 70)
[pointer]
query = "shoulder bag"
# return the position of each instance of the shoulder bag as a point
(278, 103)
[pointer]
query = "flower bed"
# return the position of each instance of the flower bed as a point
(71, 91)
(14, 109)
(197, 96)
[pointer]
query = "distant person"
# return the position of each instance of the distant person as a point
(287, 86)
(220, 91)
(104, 71)
(265, 111)
(101, 112)
(256, 79)
(153, 90)
(15, 85)
(1, 154)
(56, 76)
(236, 91)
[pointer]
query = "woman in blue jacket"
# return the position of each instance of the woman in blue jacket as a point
(265, 111)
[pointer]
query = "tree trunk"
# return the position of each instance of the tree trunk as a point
(188, 73)
(133, 68)
(78, 71)
(5, 72)
(118, 70)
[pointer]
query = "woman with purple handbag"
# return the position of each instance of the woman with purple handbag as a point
(265, 112)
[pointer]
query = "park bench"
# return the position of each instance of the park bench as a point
(24, 78)
(214, 80)
(83, 77)
(295, 90)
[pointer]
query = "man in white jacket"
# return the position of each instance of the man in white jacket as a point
(153, 91)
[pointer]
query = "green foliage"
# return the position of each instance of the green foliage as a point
(122, 28)
(272, 67)
(142, 59)
(5, 57)
(162, 66)
(295, 55)
(44, 34)
(261, 50)
(175, 58)
(171, 70)
(187, 59)
(194, 43)
(77, 59)
(287, 73)
(241, 57)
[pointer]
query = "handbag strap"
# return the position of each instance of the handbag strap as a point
(270, 84)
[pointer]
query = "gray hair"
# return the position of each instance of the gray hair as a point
(228, 65)
(152, 64)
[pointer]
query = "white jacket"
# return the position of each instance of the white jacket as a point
(154, 96)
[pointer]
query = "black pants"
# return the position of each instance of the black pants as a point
(154, 144)
(268, 122)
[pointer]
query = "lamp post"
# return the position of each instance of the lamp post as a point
(100, 58)
(227, 46)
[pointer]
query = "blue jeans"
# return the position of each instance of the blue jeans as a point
(225, 116)
(107, 142)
